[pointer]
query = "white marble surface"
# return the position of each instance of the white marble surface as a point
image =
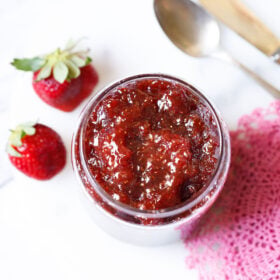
(45, 232)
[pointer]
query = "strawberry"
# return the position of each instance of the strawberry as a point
(36, 150)
(63, 79)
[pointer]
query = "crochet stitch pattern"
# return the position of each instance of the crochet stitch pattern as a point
(239, 237)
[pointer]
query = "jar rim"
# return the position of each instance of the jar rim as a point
(161, 213)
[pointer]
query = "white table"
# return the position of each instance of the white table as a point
(45, 231)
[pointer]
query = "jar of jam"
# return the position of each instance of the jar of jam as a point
(152, 155)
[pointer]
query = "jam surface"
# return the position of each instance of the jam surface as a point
(151, 143)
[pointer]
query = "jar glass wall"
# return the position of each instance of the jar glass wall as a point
(147, 227)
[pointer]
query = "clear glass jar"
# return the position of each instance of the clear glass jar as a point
(122, 221)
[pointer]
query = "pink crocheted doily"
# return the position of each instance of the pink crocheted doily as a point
(239, 238)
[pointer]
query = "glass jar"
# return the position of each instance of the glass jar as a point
(125, 222)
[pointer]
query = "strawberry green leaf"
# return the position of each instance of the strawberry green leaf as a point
(26, 64)
(80, 62)
(71, 44)
(74, 70)
(30, 123)
(29, 130)
(12, 151)
(60, 71)
(15, 138)
(88, 60)
(26, 128)
(44, 73)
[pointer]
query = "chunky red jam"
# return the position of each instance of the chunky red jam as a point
(151, 143)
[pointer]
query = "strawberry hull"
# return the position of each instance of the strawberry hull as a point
(68, 95)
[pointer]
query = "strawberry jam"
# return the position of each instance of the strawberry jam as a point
(151, 143)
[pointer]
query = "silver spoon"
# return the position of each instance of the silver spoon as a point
(197, 33)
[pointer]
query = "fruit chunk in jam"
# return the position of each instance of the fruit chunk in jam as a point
(151, 143)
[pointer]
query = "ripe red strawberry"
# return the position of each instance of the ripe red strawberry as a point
(36, 150)
(63, 79)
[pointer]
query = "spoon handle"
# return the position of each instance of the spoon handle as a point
(224, 56)
(238, 17)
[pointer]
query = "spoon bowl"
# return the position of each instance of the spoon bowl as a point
(190, 28)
